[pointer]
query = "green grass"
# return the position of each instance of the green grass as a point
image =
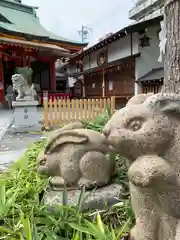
(24, 216)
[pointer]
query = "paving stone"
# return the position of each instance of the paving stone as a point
(8, 157)
(13, 141)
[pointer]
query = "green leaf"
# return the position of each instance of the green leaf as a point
(97, 233)
(76, 236)
(99, 223)
(108, 110)
(81, 228)
(27, 228)
(5, 230)
(2, 197)
(123, 229)
(80, 201)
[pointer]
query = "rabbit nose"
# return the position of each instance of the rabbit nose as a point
(106, 132)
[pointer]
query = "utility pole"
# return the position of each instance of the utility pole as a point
(84, 32)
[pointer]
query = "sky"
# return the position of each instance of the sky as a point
(66, 17)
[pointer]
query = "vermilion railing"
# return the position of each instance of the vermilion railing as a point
(55, 96)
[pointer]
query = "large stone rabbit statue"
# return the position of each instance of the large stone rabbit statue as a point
(147, 133)
(76, 157)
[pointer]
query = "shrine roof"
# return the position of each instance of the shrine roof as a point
(22, 19)
(56, 50)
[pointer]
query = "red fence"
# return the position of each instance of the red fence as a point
(54, 96)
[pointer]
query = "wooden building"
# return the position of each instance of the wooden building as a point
(25, 42)
(152, 81)
(112, 66)
(116, 79)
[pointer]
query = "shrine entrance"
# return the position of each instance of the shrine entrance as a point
(8, 71)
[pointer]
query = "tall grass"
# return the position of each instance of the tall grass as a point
(24, 216)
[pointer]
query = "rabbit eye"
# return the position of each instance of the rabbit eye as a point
(135, 125)
(43, 162)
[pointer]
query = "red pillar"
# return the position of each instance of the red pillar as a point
(2, 93)
(53, 76)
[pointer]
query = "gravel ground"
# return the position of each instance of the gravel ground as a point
(13, 146)
(18, 141)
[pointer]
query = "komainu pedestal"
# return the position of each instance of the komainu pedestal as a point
(25, 116)
(147, 133)
(25, 106)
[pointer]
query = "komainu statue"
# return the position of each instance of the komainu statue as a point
(76, 157)
(147, 133)
(23, 88)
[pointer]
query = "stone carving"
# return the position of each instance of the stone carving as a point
(24, 90)
(75, 156)
(147, 133)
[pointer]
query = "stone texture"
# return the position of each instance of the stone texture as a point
(147, 133)
(97, 199)
(76, 157)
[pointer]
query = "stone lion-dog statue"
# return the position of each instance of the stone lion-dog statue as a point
(76, 157)
(147, 132)
(23, 89)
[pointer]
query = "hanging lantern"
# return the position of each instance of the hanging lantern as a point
(144, 41)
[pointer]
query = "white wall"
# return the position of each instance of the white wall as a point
(149, 55)
(122, 48)
(116, 50)
(91, 60)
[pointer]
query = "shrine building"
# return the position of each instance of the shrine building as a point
(24, 42)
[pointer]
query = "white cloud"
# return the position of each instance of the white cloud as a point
(66, 17)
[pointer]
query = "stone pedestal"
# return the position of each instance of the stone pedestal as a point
(104, 196)
(25, 116)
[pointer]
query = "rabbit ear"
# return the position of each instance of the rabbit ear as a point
(169, 106)
(69, 126)
(138, 99)
(167, 103)
(65, 137)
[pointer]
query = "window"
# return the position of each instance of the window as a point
(110, 85)
(93, 85)
(3, 19)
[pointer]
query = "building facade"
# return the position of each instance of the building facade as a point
(149, 72)
(148, 68)
(146, 9)
(116, 65)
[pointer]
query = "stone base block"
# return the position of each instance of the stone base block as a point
(97, 199)
(24, 129)
(25, 117)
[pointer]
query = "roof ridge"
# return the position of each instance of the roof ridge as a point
(24, 20)
(14, 2)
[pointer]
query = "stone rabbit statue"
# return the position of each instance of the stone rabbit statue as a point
(76, 157)
(147, 133)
